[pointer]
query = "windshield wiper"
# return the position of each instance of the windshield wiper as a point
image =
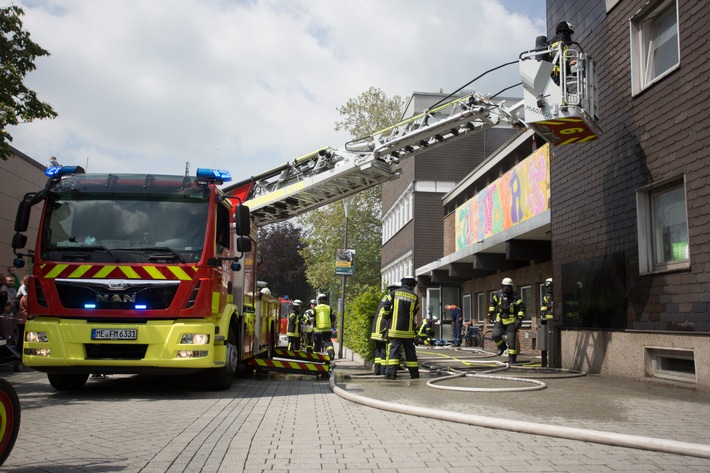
(160, 248)
(90, 248)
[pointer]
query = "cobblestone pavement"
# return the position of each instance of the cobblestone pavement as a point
(296, 423)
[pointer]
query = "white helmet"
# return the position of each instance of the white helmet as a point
(314, 302)
(507, 282)
(297, 302)
(266, 291)
(321, 297)
(434, 318)
(548, 282)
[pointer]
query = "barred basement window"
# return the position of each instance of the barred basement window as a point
(671, 364)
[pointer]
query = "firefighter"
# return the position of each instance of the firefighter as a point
(506, 313)
(426, 331)
(324, 322)
(546, 309)
(546, 315)
(563, 34)
(400, 309)
(293, 330)
(378, 334)
(307, 323)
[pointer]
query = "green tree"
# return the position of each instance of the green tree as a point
(324, 228)
(17, 53)
(281, 263)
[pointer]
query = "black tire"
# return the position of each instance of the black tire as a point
(220, 379)
(10, 417)
(67, 382)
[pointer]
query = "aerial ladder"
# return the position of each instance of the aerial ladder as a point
(562, 111)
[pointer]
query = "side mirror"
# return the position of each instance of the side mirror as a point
(22, 219)
(243, 244)
(242, 220)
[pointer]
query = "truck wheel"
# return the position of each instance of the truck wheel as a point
(9, 419)
(219, 379)
(67, 382)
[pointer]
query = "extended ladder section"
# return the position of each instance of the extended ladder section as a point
(329, 174)
(559, 94)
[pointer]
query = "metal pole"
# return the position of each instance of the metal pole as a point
(346, 208)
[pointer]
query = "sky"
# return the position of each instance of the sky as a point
(147, 86)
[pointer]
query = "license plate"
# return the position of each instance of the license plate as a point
(114, 334)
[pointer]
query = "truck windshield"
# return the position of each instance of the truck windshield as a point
(123, 229)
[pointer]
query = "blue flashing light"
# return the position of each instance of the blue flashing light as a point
(89, 306)
(218, 174)
(58, 171)
(141, 306)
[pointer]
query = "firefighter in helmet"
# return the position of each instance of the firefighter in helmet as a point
(563, 36)
(378, 334)
(293, 330)
(307, 322)
(401, 310)
(426, 331)
(546, 309)
(324, 322)
(506, 313)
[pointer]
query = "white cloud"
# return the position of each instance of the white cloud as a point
(245, 85)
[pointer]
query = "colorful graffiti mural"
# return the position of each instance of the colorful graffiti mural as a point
(519, 194)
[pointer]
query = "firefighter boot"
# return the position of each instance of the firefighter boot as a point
(512, 359)
(502, 347)
(378, 369)
(414, 373)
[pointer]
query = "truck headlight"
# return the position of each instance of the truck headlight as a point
(36, 337)
(195, 339)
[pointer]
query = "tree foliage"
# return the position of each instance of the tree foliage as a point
(359, 312)
(324, 228)
(282, 265)
(17, 53)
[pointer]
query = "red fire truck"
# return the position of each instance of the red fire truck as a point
(142, 274)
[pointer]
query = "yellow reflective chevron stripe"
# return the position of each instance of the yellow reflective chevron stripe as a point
(103, 272)
(56, 270)
(153, 272)
(129, 272)
(79, 272)
(179, 273)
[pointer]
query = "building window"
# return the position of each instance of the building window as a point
(397, 216)
(466, 307)
(526, 295)
(663, 227)
(481, 307)
(655, 49)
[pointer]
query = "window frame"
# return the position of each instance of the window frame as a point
(481, 307)
(527, 321)
(641, 38)
(646, 227)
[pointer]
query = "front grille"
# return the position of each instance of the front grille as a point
(83, 294)
(104, 351)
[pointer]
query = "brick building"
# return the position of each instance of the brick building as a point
(628, 212)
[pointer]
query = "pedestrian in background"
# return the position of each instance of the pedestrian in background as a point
(401, 310)
(456, 323)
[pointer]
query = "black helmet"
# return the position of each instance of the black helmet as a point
(563, 26)
(410, 281)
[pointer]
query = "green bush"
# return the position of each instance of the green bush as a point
(359, 313)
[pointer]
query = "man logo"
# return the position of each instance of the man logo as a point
(115, 298)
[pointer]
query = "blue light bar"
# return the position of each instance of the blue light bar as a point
(141, 306)
(89, 306)
(58, 171)
(218, 174)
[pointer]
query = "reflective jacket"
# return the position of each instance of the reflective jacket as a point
(506, 309)
(546, 311)
(401, 308)
(324, 318)
(294, 325)
(379, 322)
